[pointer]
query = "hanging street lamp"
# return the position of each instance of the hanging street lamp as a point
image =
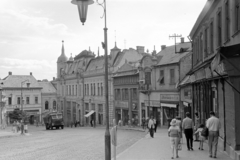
(82, 9)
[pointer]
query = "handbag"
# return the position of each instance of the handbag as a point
(179, 147)
(204, 132)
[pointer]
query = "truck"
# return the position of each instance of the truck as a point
(53, 119)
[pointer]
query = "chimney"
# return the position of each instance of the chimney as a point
(182, 39)
(163, 47)
(9, 73)
(30, 73)
(140, 49)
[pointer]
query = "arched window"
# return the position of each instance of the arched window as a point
(46, 105)
(54, 105)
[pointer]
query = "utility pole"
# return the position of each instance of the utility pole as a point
(175, 36)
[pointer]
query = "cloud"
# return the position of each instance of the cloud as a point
(19, 25)
(9, 63)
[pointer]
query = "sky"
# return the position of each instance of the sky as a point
(31, 31)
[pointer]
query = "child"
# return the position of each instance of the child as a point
(201, 138)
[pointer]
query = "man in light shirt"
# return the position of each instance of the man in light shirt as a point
(213, 125)
(187, 127)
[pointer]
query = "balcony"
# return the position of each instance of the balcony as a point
(144, 88)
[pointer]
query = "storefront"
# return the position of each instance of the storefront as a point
(121, 112)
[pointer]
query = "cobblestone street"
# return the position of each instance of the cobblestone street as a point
(71, 143)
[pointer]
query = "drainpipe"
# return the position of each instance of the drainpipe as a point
(224, 114)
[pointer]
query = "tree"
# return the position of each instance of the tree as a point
(18, 115)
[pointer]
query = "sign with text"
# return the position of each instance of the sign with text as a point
(169, 97)
(152, 103)
(121, 104)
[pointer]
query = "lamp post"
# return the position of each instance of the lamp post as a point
(22, 103)
(82, 9)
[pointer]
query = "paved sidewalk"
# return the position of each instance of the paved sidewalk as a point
(158, 148)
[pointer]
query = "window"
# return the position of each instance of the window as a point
(18, 100)
(206, 42)
(227, 21)
(211, 37)
(9, 100)
(237, 16)
(134, 93)
(66, 89)
(54, 105)
(46, 105)
(73, 90)
(70, 90)
(101, 89)
(172, 76)
(98, 89)
(85, 89)
(76, 90)
(27, 100)
(117, 94)
(88, 89)
(219, 28)
(161, 78)
(125, 95)
(147, 77)
(201, 47)
(36, 100)
(94, 89)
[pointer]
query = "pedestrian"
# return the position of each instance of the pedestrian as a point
(196, 126)
(143, 123)
(174, 134)
(187, 126)
(201, 138)
(91, 122)
(155, 124)
(179, 124)
(151, 126)
(213, 125)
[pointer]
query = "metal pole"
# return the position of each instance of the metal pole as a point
(21, 109)
(1, 105)
(107, 133)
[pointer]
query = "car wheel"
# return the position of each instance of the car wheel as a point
(62, 127)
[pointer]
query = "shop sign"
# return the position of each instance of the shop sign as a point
(185, 104)
(200, 74)
(121, 104)
(187, 93)
(220, 69)
(169, 97)
(152, 103)
(134, 106)
(192, 78)
(208, 72)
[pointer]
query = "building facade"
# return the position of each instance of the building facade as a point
(25, 87)
(80, 84)
(215, 74)
(159, 76)
(126, 102)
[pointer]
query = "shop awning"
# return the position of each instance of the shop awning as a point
(89, 114)
(168, 105)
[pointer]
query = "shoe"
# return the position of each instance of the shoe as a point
(214, 157)
(172, 157)
(192, 149)
(210, 156)
(177, 156)
(202, 149)
(188, 149)
(199, 148)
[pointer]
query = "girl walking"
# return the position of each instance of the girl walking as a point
(201, 138)
(174, 134)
